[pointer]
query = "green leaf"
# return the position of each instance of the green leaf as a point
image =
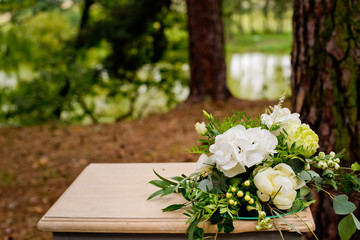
(168, 191)
(346, 227)
(155, 194)
(198, 234)
(304, 191)
(331, 182)
(236, 181)
(355, 166)
(306, 204)
(159, 183)
(279, 229)
(342, 206)
(296, 164)
(192, 230)
(228, 225)
(308, 175)
(206, 185)
(216, 217)
(164, 179)
(177, 178)
(356, 221)
(173, 207)
(289, 224)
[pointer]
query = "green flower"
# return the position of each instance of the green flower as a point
(305, 139)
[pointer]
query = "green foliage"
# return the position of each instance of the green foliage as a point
(342, 206)
(347, 226)
(100, 71)
(355, 166)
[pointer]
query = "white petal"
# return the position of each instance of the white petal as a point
(262, 181)
(254, 157)
(285, 169)
(284, 202)
(262, 196)
(203, 163)
(234, 171)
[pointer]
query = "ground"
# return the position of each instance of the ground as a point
(38, 163)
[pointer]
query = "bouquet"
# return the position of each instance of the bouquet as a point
(263, 167)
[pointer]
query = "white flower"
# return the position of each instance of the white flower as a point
(201, 128)
(204, 164)
(281, 116)
(279, 182)
(239, 147)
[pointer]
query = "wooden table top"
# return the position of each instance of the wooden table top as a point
(111, 198)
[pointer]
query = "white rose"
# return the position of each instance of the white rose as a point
(280, 181)
(280, 115)
(239, 147)
(201, 128)
(204, 164)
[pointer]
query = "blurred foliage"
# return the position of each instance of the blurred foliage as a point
(82, 61)
(257, 16)
(89, 61)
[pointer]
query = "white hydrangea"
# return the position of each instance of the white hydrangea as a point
(239, 147)
(280, 115)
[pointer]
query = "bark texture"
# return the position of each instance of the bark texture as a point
(326, 84)
(206, 46)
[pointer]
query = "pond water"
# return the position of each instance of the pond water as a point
(259, 76)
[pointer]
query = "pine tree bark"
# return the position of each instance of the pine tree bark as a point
(206, 47)
(326, 84)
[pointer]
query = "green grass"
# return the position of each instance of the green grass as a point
(276, 43)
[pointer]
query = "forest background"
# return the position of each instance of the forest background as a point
(85, 81)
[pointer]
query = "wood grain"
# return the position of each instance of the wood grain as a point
(111, 198)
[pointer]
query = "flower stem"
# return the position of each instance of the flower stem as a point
(306, 225)
(330, 195)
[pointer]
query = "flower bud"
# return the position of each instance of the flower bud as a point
(331, 163)
(258, 228)
(337, 160)
(251, 201)
(201, 128)
(207, 115)
(262, 214)
(337, 166)
(269, 226)
(332, 154)
(267, 220)
(321, 155)
(228, 195)
(247, 183)
(324, 165)
(249, 208)
(233, 189)
(247, 198)
(262, 224)
(231, 202)
(240, 193)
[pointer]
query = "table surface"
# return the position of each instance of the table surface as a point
(111, 198)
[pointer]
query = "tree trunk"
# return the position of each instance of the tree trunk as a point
(326, 83)
(206, 46)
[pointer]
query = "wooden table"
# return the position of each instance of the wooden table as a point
(108, 201)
